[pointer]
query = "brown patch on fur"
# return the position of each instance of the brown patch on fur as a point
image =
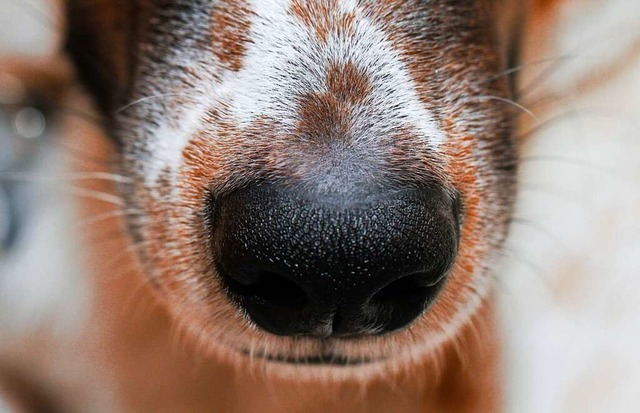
(324, 17)
(442, 64)
(327, 116)
(265, 147)
(231, 22)
(322, 118)
(348, 83)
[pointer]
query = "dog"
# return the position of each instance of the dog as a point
(313, 197)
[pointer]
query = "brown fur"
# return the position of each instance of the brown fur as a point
(324, 17)
(231, 22)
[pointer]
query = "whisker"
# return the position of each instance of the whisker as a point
(74, 177)
(106, 237)
(584, 44)
(528, 65)
(535, 269)
(109, 215)
(97, 196)
(147, 98)
(528, 223)
(561, 117)
(569, 161)
(83, 158)
(138, 305)
(123, 255)
(109, 198)
(547, 73)
(76, 113)
(559, 193)
(511, 102)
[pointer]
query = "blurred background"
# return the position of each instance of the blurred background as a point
(569, 286)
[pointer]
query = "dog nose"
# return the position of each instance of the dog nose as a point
(301, 262)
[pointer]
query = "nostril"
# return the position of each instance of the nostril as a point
(266, 287)
(400, 290)
(404, 299)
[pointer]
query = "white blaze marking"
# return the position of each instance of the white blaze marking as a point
(285, 60)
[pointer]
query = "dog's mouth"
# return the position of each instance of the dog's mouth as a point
(322, 360)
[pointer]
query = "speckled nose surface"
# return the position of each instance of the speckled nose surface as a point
(300, 262)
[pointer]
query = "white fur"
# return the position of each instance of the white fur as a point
(285, 60)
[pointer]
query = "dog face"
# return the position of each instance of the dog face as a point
(325, 180)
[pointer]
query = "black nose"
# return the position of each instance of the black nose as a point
(305, 263)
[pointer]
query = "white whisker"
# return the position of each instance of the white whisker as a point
(108, 215)
(507, 101)
(148, 98)
(80, 176)
(97, 195)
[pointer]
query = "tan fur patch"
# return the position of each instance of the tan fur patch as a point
(231, 21)
(323, 17)
(328, 115)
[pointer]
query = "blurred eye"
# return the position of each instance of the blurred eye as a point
(23, 129)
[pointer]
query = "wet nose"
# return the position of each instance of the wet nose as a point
(300, 262)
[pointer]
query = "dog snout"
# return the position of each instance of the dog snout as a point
(299, 262)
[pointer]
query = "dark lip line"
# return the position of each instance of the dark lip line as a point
(321, 360)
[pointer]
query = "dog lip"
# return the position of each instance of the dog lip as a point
(332, 360)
